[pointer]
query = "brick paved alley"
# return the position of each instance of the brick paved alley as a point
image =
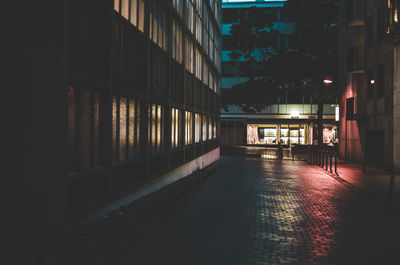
(259, 211)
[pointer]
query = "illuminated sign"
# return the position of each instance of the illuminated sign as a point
(337, 113)
(294, 114)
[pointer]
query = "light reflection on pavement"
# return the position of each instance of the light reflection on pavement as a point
(259, 211)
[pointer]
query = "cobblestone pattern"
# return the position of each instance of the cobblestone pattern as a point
(265, 212)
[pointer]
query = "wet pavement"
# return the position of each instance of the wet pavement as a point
(264, 211)
(259, 211)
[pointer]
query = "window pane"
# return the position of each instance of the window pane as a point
(114, 128)
(131, 134)
(204, 128)
(159, 128)
(134, 12)
(141, 16)
(153, 127)
(197, 128)
(188, 128)
(125, 8)
(209, 128)
(116, 5)
(214, 128)
(178, 126)
(137, 127)
(173, 126)
(122, 128)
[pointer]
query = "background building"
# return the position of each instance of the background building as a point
(118, 94)
(367, 78)
(292, 119)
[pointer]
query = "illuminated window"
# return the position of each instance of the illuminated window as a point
(84, 129)
(214, 128)
(211, 80)
(141, 15)
(199, 28)
(125, 128)
(177, 47)
(209, 122)
(134, 128)
(205, 72)
(188, 127)
(197, 126)
(114, 128)
(176, 125)
(199, 66)
(189, 15)
(134, 10)
(204, 128)
(178, 5)
(189, 60)
(156, 127)
(116, 5)
(158, 26)
(125, 8)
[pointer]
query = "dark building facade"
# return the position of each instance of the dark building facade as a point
(367, 77)
(118, 94)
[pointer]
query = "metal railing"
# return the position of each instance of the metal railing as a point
(323, 156)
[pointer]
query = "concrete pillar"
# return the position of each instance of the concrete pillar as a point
(396, 110)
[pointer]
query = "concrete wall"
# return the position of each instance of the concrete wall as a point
(350, 145)
(155, 185)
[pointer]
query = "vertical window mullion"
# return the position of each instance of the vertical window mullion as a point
(91, 130)
(76, 138)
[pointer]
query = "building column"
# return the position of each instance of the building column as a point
(396, 110)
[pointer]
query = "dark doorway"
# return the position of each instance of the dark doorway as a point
(375, 150)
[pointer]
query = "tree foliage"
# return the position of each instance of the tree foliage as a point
(275, 71)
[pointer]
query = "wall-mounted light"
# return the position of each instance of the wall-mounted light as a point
(372, 81)
(328, 80)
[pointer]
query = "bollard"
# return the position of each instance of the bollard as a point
(330, 161)
(326, 160)
(314, 156)
(292, 150)
(322, 158)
